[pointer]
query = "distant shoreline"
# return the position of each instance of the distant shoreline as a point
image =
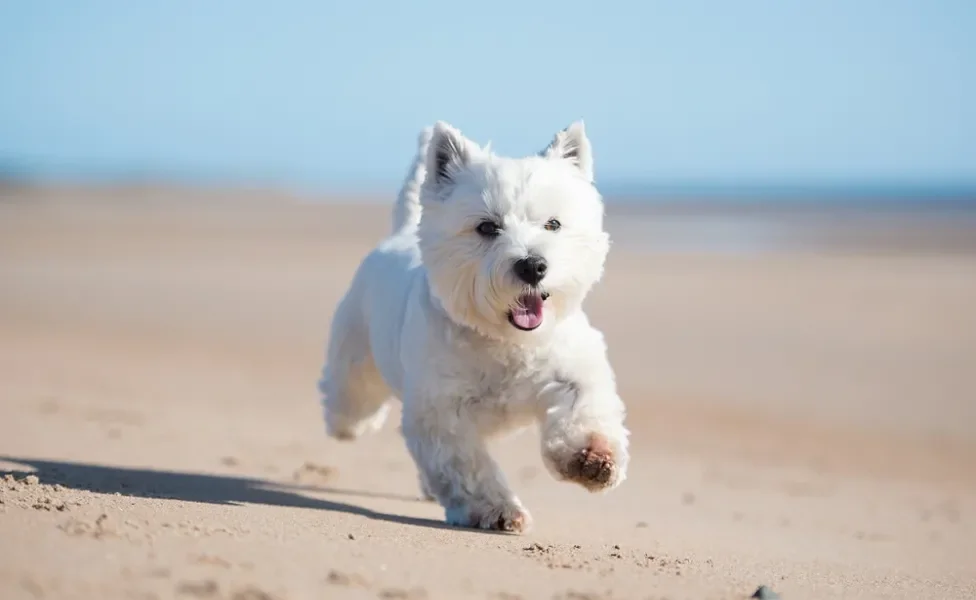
(660, 196)
(734, 225)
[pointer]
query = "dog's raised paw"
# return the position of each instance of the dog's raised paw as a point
(593, 467)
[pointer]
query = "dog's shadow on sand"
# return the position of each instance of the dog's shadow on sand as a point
(204, 488)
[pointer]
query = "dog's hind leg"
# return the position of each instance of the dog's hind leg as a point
(355, 398)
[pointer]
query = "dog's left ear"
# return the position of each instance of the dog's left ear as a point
(572, 144)
(449, 153)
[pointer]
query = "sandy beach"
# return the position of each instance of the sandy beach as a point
(802, 400)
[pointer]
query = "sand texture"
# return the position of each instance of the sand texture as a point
(803, 415)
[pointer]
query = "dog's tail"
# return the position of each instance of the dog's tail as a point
(406, 213)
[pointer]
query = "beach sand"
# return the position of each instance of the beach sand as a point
(802, 402)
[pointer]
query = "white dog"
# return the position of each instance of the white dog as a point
(471, 313)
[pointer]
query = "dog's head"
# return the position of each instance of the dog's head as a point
(511, 245)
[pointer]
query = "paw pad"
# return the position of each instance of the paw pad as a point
(592, 466)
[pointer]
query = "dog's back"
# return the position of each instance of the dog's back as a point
(362, 370)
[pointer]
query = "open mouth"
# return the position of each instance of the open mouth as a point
(527, 314)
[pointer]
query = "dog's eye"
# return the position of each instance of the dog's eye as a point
(488, 229)
(553, 225)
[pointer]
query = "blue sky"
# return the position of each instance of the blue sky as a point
(327, 93)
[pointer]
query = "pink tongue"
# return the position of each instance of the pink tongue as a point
(528, 313)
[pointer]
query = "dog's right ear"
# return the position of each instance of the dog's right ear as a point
(449, 152)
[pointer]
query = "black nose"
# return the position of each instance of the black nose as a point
(531, 269)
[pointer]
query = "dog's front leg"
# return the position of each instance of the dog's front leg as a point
(584, 439)
(459, 473)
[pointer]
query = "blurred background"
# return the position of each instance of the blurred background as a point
(187, 187)
(873, 96)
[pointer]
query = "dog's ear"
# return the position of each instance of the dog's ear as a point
(572, 144)
(449, 152)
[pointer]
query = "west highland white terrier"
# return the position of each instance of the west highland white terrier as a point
(471, 313)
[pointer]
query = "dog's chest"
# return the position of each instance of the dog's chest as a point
(500, 391)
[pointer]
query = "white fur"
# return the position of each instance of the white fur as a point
(426, 320)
